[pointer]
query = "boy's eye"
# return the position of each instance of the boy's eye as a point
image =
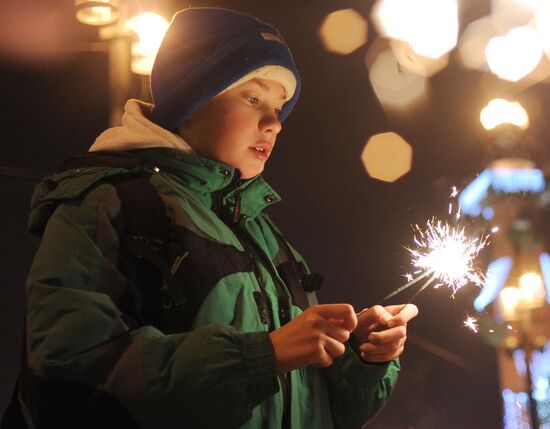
(277, 111)
(253, 99)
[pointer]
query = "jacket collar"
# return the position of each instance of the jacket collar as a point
(216, 184)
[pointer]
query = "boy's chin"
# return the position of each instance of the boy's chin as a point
(250, 173)
(248, 176)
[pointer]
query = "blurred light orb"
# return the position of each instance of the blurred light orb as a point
(509, 300)
(430, 26)
(514, 55)
(150, 28)
(96, 12)
(393, 18)
(500, 111)
(508, 14)
(393, 84)
(387, 157)
(343, 31)
(472, 43)
(542, 23)
(419, 64)
(531, 288)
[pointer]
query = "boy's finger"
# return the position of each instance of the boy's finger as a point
(344, 313)
(337, 332)
(388, 336)
(403, 313)
(376, 314)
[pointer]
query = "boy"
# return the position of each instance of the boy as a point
(203, 321)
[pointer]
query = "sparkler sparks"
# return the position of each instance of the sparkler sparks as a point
(447, 255)
(443, 255)
(471, 323)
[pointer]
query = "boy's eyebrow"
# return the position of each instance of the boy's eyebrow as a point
(265, 87)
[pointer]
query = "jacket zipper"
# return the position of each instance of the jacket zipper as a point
(284, 379)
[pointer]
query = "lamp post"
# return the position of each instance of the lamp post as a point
(132, 39)
(517, 306)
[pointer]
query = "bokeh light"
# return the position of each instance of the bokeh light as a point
(532, 289)
(508, 14)
(430, 26)
(416, 63)
(509, 299)
(500, 111)
(542, 23)
(514, 55)
(394, 85)
(343, 31)
(150, 28)
(473, 41)
(387, 157)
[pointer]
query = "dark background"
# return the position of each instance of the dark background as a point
(350, 227)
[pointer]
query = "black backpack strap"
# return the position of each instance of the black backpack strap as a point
(112, 159)
(302, 284)
(145, 237)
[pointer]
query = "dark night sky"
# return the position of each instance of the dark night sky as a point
(351, 228)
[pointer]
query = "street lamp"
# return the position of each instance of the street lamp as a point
(96, 12)
(132, 42)
(150, 29)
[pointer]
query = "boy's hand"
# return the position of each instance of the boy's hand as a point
(380, 335)
(315, 337)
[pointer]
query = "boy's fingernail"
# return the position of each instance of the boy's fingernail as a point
(389, 322)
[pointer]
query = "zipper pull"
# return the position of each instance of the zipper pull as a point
(237, 208)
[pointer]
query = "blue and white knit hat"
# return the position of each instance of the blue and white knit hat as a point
(207, 51)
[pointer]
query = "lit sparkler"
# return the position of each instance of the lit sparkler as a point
(443, 255)
(471, 323)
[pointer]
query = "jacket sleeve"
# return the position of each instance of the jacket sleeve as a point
(76, 333)
(358, 390)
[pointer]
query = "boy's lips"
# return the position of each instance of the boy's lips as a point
(262, 150)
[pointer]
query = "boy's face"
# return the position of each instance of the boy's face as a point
(238, 127)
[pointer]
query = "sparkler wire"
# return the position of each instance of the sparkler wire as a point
(405, 286)
(423, 287)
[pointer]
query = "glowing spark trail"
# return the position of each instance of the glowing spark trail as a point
(447, 254)
(443, 255)
(471, 322)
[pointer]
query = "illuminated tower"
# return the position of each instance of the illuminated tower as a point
(510, 196)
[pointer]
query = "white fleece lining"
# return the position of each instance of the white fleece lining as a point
(277, 73)
(138, 132)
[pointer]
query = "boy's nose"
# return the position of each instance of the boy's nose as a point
(270, 124)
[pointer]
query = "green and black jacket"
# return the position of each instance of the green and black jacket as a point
(205, 363)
